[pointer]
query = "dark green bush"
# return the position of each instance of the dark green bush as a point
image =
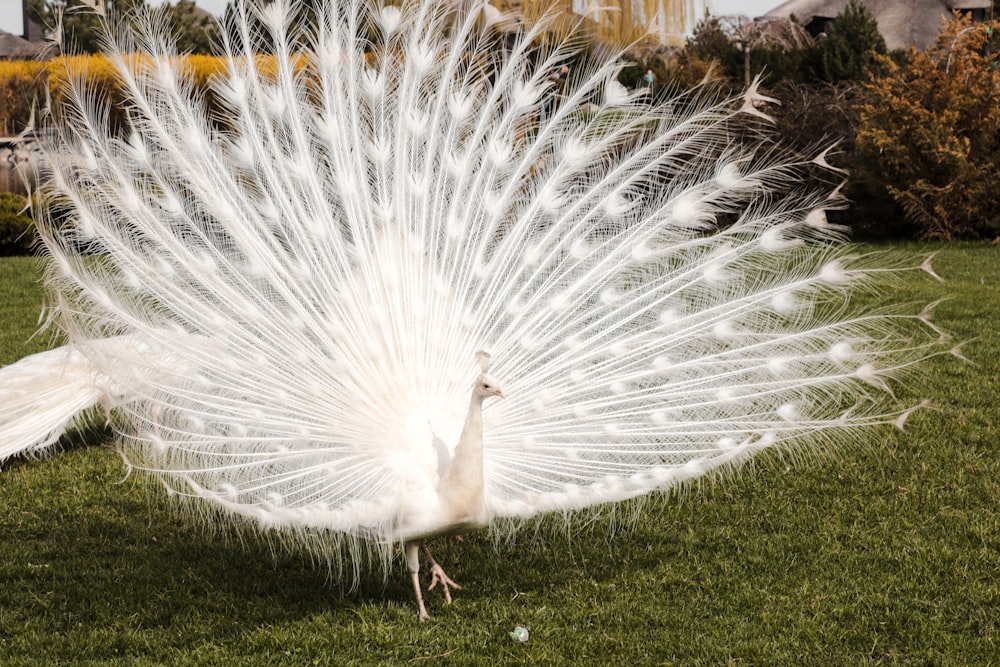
(17, 230)
(848, 48)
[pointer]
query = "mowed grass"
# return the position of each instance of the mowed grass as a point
(886, 552)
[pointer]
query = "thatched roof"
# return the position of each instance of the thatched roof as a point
(9, 44)
(13, 47)
(902, 22)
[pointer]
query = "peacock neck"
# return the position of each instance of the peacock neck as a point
(462, 485)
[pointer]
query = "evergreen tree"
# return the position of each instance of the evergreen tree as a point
(847, 49)
(196, 31)
(76, 23)
(709, 47)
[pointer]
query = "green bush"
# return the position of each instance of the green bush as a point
(848, 48)
(17, 230)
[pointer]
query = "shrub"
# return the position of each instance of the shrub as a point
(99, 79)
(929, 138)
(17, 231)
(22, 86)
(848, 47)
(709, 50)
(822, 118)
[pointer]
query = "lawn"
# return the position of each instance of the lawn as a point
(883, 553)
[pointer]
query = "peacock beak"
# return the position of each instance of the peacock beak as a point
(499, 394)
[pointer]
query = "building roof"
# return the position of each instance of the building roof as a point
(13, 47)
(902, 23)
(11, 44)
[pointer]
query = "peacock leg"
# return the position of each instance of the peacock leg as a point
(438, 576)
(413, 567)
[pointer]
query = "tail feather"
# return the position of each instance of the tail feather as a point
(42, 395)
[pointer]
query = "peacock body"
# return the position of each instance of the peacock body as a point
(282, 305)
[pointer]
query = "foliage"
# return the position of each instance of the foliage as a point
(746, 47)
(849, 45)
(773, 35)
(780, 50)
(78, 26)
(762, 570)
(816, 118)
(23, 83)
(22, 88)
(17, 231)
(196, 32)
(663, 70)
(673, 75)
(929, 138)
(75, 22)
(100, 79)
(708, 49)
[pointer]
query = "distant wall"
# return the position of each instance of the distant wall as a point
(625, 21)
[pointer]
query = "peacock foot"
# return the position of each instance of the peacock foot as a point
(422, 612)
(439, 577)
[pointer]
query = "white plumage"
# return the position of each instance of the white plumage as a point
(283, 304)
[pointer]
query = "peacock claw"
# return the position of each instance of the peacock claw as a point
(438, 576)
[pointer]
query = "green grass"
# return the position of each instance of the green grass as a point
(885, 553)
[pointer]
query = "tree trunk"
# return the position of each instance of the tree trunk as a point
(746, 64)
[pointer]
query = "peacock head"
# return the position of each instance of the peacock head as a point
(486, 386)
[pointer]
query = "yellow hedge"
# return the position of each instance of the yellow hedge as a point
(22, 85)
(23, 82)
(97, 76)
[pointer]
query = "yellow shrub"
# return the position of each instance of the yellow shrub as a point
(202, 69)
(23, 83)
(22, 86)
(929, 135)
(98, 78)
